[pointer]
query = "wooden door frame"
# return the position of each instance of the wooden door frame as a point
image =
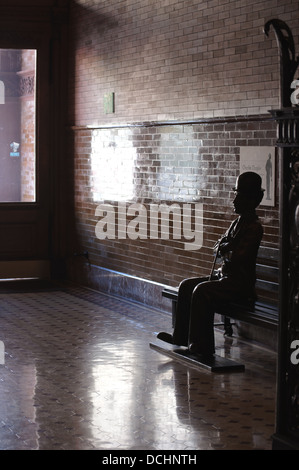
(42, 26)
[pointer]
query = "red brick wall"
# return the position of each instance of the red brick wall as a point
(193, 83)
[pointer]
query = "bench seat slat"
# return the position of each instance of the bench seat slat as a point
(259, 313)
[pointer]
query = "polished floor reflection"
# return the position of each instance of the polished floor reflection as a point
(79, 374)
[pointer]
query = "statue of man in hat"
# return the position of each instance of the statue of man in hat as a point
(200, 298)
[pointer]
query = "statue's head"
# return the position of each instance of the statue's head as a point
(248, 192)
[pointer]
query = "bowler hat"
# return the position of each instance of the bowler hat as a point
(249, 183)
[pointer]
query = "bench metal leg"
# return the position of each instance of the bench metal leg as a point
(228, 328)
(173, 312)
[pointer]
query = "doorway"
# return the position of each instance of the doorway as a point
(24, 165)
(17, 125)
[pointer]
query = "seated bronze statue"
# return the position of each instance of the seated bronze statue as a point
(199, 299)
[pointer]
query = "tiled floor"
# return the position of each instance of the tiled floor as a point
(79, 374)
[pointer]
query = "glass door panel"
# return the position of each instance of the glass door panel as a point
(18, 125)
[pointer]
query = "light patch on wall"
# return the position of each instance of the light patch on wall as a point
(112, 167)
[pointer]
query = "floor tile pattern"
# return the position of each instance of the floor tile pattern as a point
(79, 374)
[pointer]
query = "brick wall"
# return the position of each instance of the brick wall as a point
(171, 59)
(27, 99)
(171, 164)
(193, 83)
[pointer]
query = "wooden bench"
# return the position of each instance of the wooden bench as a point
(263, 312)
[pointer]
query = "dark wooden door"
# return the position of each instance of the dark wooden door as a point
(24, 160)
(32, 73)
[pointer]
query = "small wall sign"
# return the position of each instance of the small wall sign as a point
(14, 149)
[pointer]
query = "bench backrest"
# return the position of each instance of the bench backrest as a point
(267, 273)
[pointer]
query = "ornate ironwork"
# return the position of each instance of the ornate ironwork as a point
(288, 61)
(292, 378)
(287, 117)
